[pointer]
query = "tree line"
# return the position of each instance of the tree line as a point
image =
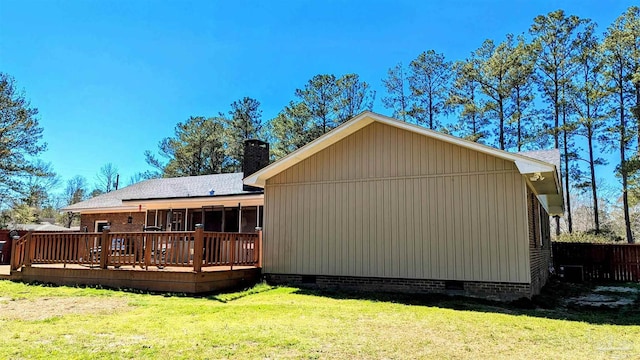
(560, 84)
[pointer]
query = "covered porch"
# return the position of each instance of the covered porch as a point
(196, 261)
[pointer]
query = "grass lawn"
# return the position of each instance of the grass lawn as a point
(265, 322)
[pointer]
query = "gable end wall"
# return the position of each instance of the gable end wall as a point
(389, 203)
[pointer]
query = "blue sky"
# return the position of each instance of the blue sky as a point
(112, 78)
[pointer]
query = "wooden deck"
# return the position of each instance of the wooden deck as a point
(181, 262)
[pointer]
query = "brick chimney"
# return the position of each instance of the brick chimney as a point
(256, 156)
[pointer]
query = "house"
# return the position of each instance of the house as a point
(43, 226)
(380, 204)
(219, 202)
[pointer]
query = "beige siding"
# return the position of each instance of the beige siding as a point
(386, 202)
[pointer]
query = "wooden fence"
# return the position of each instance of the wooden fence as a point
(144, 249)
(599, 262)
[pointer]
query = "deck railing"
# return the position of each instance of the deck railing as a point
(196, 249)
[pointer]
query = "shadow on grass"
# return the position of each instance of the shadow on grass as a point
(226, 296)
(550, 304)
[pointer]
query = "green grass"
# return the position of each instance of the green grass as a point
(275, 323)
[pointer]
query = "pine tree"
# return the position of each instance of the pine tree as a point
(429, 76)
(589, 99)
(555, 34)
(464, 96)
(397, 92)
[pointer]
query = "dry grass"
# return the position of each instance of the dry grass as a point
(283, 322)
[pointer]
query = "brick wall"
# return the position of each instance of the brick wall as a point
(539, 243)
(119, 221)
(487, 290)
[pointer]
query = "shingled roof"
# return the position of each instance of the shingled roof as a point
(169, 188)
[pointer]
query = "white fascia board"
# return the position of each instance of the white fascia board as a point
(530, 167)
(104, 210)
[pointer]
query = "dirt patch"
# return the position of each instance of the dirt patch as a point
(45, 308)
(607, 296)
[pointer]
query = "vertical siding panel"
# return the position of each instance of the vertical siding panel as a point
(393, 226)
(422, 218)
(326, 198)
(455, 159)
(449, 157)
(484, 210)
(464, 159)
(278, 249)
(387, 153)
(503, 227)
(371, 151)
(474, 228)
(512, 203)
(354, 256)
(268, 232)
(436, 251)
(523, 235)
(309, 192)
(416, 234)
(473, 161)
(451, 227)
(457, 223)
(346, 256)
(365, 241)
(467, 254)
(432, 153)
(440, 157)
(300, 239)
(381, 209)
(289, 260)
(379, 161)
(356, 154)
(388, 239)
(404, 257)
(481, 160)
(496, 240)
(314, 232)
(336, 265)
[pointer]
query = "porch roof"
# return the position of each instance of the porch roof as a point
(197, 189)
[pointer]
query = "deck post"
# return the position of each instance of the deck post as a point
(104, 248)
(232, 248)
(148, 249)
(29, 249)
(198, 248)
(259, 249)
(12, 260)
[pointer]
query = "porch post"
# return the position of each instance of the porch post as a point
(12, 260)
(29, 248)
(232, 247)
(148, 248)
(239, 218)
(259, 248)
(105, 246)
(198, 248)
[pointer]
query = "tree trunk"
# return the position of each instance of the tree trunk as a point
(565, 146)
(556, 108)
(623, 160)
(519, 119)
(501, 115)
(430, 111)
(594, 191)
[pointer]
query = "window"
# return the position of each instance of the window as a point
(100, 224)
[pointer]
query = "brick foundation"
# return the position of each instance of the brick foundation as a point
(487, 290)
